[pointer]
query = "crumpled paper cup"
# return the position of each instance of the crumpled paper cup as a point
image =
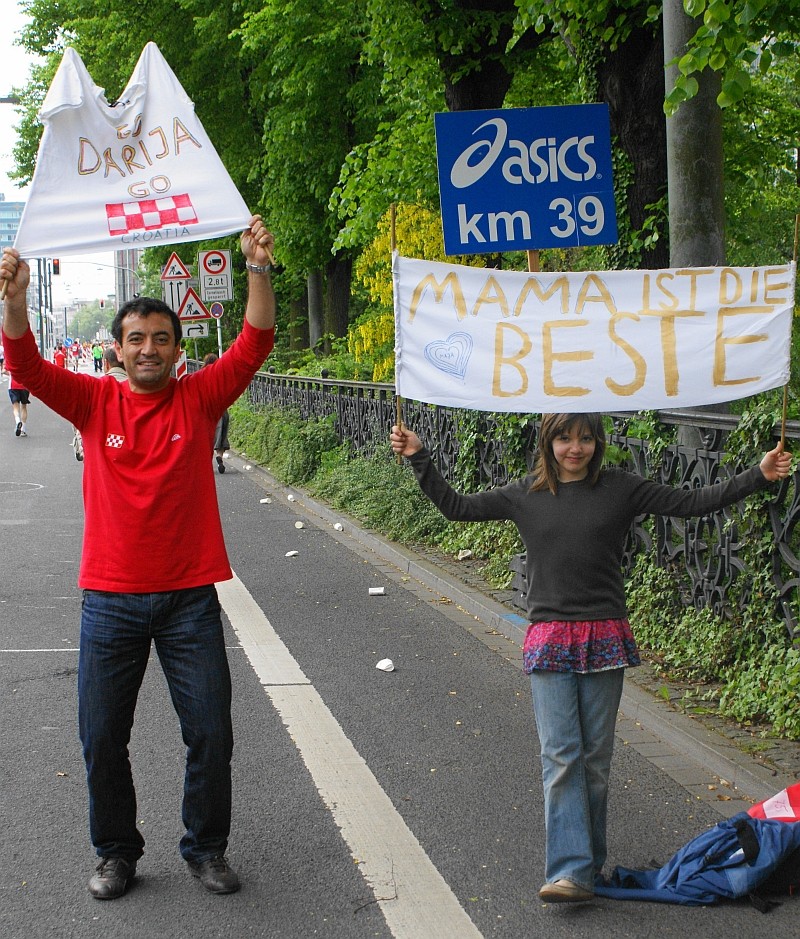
(385, 665)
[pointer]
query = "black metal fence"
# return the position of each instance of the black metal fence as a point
(707, 550)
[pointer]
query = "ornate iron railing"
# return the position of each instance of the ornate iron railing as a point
(708, 550)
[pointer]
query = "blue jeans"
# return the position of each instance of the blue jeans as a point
(575, 718)
(116, 632)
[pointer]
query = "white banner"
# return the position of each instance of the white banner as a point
(594, 341)
(134, 174)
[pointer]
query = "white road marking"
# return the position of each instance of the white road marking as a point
(413, 896)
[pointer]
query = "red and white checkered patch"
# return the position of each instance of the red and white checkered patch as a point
(115, 440)
(150, 214)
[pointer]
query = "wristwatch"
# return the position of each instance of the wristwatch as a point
(258, 268)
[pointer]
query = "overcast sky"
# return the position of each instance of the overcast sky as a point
(82, 276)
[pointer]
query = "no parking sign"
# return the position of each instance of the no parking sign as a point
(214, 272)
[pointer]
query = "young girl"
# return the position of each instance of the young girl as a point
(573, 516)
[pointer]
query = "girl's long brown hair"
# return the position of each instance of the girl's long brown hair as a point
(545, 468)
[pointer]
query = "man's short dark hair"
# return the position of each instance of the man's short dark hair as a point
(144, 306)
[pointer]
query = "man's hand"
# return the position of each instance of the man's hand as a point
(257, 242)
(15, 275)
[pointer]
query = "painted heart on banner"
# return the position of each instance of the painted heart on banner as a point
(450, 355)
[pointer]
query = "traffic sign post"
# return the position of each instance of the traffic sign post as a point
(175, 269)
(196, 329)
(214, 271)
(192, 307)
(173, 292)
(520, 179)
(175, 282)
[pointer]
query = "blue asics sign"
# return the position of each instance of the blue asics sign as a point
(525, 178)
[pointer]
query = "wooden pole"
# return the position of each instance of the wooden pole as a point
(783, 415)
(533, 261)
(398, 401)
(796, 227)
(786, 386)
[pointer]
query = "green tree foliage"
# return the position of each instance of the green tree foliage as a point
(316, 101)
(90, 320)
(761, 168)
(734, 37)
(323, 113)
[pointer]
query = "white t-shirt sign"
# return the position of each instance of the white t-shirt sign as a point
(137, 173)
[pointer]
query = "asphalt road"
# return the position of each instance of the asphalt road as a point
(399, 804)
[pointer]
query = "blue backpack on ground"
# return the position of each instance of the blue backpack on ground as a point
(736, 858)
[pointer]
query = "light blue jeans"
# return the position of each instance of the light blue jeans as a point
(575, 718)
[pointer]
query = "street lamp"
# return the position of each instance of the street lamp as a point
(124, 287)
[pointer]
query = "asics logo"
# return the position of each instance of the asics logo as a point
(543, 160)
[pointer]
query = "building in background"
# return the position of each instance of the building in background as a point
(126, 279)
(10, 214)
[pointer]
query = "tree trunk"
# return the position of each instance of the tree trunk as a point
(631, 82)
(338, 275)
(487, 25)
(694, 157)
(315, 308)
(298, 324)
(484, 88)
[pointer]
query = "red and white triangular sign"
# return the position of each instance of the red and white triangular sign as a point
(192, 307)
(175, 269)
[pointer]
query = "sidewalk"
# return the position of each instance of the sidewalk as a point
(716, 761)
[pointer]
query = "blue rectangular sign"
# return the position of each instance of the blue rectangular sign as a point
(525, 178)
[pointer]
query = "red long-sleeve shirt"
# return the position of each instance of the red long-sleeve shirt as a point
(150, 502)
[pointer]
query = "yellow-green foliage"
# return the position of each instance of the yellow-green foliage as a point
(371, 338)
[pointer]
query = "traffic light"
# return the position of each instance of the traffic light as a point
(102, 304)
(56, 266)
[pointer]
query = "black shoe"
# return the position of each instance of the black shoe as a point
(112, 878)
(220, 465)
(18, 428)
(215, 875)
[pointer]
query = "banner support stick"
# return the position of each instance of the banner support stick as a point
(786, 386)
(398, 404)
(533, 261)
(398, 400)
(783, 415)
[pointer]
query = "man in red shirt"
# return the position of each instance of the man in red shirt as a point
(20, 399)
(142, 439)
(60, 356)
(75, 354)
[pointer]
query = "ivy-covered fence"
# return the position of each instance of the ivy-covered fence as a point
(721, 563)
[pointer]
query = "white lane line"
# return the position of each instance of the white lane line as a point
(413, 896)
